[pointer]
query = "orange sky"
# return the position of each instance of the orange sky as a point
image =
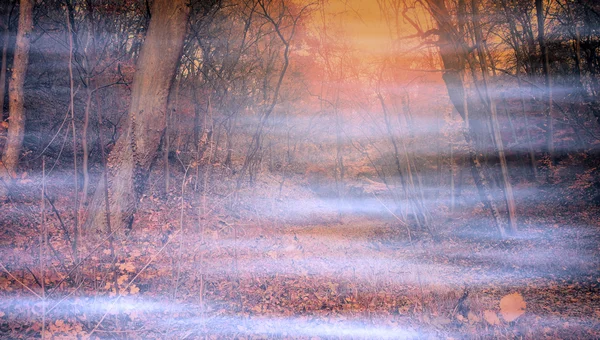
(361, 21)
(360, 25)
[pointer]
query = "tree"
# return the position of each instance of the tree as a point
(136, 148)
(455, 56)
(539, 7)
(493, 117)
(16, 97)
(284, 18)
(6, 10)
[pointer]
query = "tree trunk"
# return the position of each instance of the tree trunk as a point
(452, 185)
(491, 105)
(514, 37)
(16, 112)
(454, 56)
(5, 41)
(137, 146)
(539, 7)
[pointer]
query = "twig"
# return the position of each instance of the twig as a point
(57, 213)
(76, 230)
(66, 297)
(411, 244)
(397, 218)
(180, 252)
(83, 260)
(19, 281)
(128, 285)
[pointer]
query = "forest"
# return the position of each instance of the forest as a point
(300, 169)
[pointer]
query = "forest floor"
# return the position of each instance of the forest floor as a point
(293, 267)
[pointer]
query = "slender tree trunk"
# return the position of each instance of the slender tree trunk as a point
(84, 143)
(591, 102)
(509, 118)
(539, 7)
(256, 144)
(229, 125)
(166, 150)
(527, 127)
(5, 41)
(89, 51)
(16, 98)
(452, 193)
(136, 147)
(453, 59)
(491, 105)
(518, 54)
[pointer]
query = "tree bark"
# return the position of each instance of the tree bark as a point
(137, 146)
(16, 112)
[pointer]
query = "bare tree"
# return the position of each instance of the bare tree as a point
(6, 11)
(454, 55)
(282, 19)
(136, 148)
(541, 18)
(493, 117)
(16, 97)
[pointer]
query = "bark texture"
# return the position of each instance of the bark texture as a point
(16, 111)
(137, 145)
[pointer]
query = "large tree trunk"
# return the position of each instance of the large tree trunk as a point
(16, 112)
(137, 145)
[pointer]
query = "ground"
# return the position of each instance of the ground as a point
(293, 265)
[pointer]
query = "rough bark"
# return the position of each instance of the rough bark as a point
(137, 145)
(16, 97)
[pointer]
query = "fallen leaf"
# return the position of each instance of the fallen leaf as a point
(121, 279)
(127, 266)
(512, 306)
(134, 290)
(473, 318)
(491, 317)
